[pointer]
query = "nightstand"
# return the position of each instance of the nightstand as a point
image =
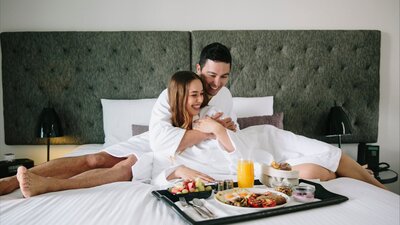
(385, 175)
(9, 168)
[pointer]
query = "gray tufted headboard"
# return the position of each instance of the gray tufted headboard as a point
(305, 71)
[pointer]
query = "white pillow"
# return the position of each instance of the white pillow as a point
(253, 106)
(119, 115)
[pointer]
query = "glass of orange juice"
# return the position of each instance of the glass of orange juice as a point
(245, 173)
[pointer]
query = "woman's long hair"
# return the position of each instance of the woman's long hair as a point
(177, 96)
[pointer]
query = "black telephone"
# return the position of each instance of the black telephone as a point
(368, 154)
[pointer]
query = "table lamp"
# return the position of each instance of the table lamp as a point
(338, 124)
(49, 126)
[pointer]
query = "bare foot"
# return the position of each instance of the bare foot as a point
(8, 185)
(31, 184)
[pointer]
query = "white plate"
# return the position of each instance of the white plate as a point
(257, 191)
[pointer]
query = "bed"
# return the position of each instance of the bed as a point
(306, 72)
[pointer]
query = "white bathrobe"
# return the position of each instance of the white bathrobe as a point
(263, 144)
(206, 157)
(164, 136)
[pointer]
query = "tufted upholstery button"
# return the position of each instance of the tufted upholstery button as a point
(292, 67)
(114, 51)
(316, 68)
(89, 50)
(66, 88)
(65, 50)
(343, 67)
(90, 87)
(115, 88)
(27, 69)
(126, 69)
(280, 48)
(52, 70)
(330, 49)
(78, 69)
(367, 67)
(40, 51)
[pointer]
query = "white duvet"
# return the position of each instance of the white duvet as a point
(133, 203)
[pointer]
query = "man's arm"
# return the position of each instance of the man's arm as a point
(164, 136)
(193, 137)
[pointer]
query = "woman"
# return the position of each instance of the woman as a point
(312, 158)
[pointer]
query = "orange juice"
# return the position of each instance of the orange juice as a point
(245, 173)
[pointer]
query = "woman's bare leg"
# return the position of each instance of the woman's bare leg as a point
(347, 168)
(314, 171)
(63, 168)
(350, 168)
(32, 184)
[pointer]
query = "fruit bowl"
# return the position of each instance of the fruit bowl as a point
(190, 189)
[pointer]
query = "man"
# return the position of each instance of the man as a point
(214, 67)
(107, 166)
(166, 140)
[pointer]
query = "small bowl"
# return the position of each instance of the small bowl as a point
(303, 193)
(283, 187)
(270, 175)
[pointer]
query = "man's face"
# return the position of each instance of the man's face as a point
(215, 75)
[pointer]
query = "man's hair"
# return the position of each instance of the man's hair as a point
(215, 52)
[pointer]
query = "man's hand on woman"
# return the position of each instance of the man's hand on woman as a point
(226, 122)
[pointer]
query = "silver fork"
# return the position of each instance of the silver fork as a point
(185, 204)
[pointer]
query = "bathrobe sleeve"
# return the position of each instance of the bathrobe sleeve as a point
(223, 102)
(163, 135)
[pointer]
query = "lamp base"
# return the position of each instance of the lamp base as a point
(48, 149)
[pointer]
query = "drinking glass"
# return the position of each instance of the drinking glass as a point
(245, 173)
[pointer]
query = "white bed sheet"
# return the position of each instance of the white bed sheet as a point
(133, 203)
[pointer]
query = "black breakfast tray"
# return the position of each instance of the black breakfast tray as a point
(326, 197)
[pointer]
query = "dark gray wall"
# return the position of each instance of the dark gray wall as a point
(306, 71)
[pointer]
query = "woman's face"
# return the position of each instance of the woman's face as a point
(195, 97)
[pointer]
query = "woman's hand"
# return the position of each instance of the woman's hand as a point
(188, 173)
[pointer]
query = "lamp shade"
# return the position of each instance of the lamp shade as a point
(338, 122)
(49, 124)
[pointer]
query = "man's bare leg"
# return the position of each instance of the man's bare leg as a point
(63, 168)
(32, 184)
